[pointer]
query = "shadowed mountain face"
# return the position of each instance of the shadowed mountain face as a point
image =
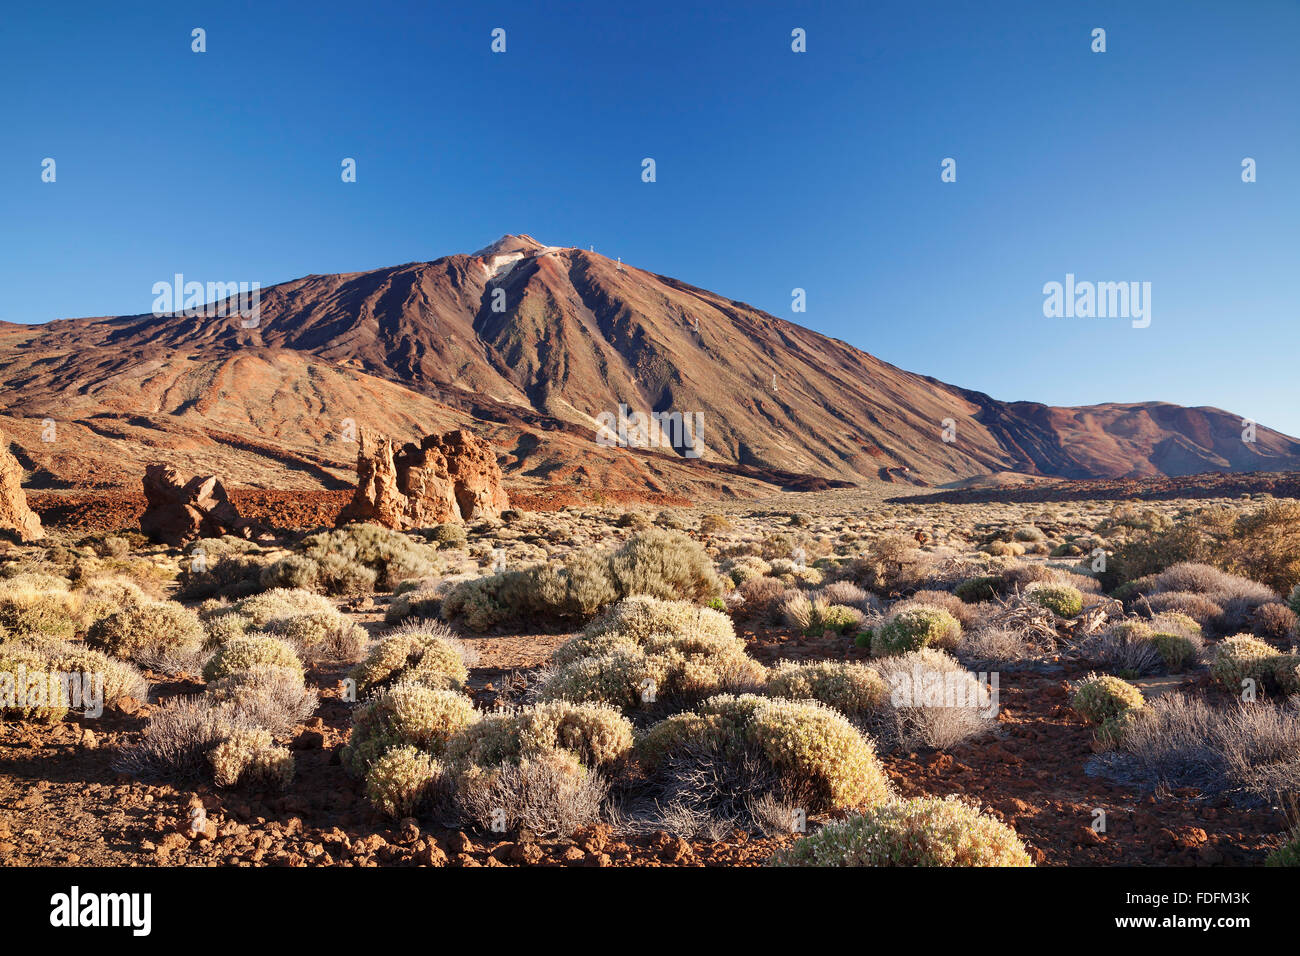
(534, 344)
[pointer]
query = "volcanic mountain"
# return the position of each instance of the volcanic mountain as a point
(531, 345)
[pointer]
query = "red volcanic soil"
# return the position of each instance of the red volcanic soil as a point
(99, 511)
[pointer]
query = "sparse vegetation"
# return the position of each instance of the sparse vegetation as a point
(676, 708)
(652, 563)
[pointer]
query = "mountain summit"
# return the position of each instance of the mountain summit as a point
(542, 346)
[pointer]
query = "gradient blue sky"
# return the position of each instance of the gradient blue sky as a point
(775, 170)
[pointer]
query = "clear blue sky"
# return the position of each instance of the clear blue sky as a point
(775, 169)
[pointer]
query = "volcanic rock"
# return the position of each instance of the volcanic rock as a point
(178, 511)
(451, 477)
(14, 513)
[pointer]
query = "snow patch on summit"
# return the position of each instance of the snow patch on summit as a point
(497, 265)
(504, 254)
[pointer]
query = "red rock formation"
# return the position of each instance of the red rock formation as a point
(452, 477)
(179, 512)
(14, 513)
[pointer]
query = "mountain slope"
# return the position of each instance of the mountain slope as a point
(540, 341)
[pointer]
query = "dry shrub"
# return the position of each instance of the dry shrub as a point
(277, 607)
(247, 756)
(241, 653)
(180, 735)
(637, 520)
(714, 524)
(641, 617)
(449, 534)
(664, 565)
(663, 672)
(324, 637)
(480, 601)
(655, 563)
(227, 567)
(1000, 647)
(94, 671)
(1004, 549)
(764, 598)
(924, 831)
(1265, 546)
(1178, 740)
(267, 696)
(983, 587)
(1236, 597)
(1173, 622)
(550, 794)
(389, 556)
(1151, 551)
(892, 565)
(1204, 579)
(815, 617)
(796, 573)
(710, 788)
(1126, 648)
(1276, 621)
(851, 688)
(31, 690)
(647, 652)
(1262, 545)
(932, 701)
(848, 594)
(963, 612)
(401, 781)
(309, 622)
(161, 635)
(426, 653)
(1018, 577)
(813, 749)
(422, 601)
(1242, 657)
(910, 626)
(599, 736)
(113, 589)
(746, 568)
(405, 715)
(329, 573)
(1196, 606)
(579, 588)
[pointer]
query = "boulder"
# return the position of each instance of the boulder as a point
(14, 513)
(179, 511)
(451, 477)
